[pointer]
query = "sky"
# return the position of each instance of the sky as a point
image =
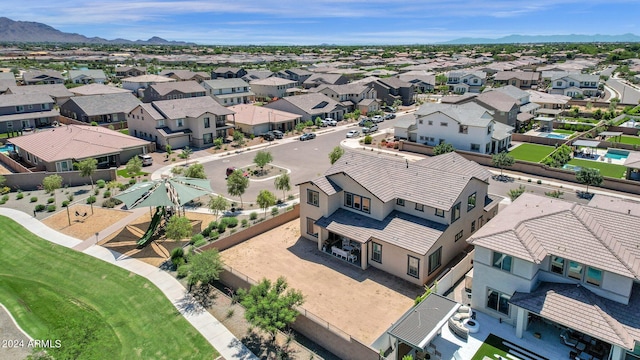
(340, 22)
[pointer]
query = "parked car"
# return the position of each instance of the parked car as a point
(268, 136)
(146, 159)
(368, 130)
(230, 171)
(389, 116)
(377, 119)
(307, 136)
(364, 121)
(329, 122)
(277, 134)
(390, 109)
(353, 133)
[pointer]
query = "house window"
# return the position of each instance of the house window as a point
(421, 137)
(475, 147)
(19, 108)
(471, 201)
(348, 200)
(311, 227)
(459, 235)
(463, 129)
(430, 122)
(179, 122)
(357, 202)
(557, 265)
(207, 123)
(435, 260)
(366, 204)
(207, 138)
(559, 83)
(30, 107)
(160, 123)
(313, 197)
(440, 212)
(502, 261)
(498, 301)
(593, 276)
(575, 270)
(455, 212)
(444, 124)
(420, 121)
(400, 202)
(44, 106)
(419, 207)
(413, 266)
(473, 226)
(376, 254)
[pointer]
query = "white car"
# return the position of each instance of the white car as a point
(377, 119)
(329, 122)
(353, 133)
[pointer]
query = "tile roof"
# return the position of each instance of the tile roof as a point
(521, 75)
(29, 115)
(400, 229)
(27, 99)
(75, 142)
(512, 91)
(326, 185)
(190, 107)
(470, 113)
(497, 100)
(94, 105)
(183, 73)
(272, 81)
(323, 78)
(545, 98)
(533, 227)
(96, 73)
(181, 86)
(148, 78)
(502, 131)
(254, 115)
(226, 83)
(577, 76)
(97, 89)
(311, 103)
(53, 90)
(580, 309)
(345, 89)
(34, 75)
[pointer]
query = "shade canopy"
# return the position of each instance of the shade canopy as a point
(164, 192)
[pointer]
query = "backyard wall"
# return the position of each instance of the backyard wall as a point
(452, 275)
(33, 180)
(117, 125)
(13, 165)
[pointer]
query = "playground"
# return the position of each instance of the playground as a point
(84, 226)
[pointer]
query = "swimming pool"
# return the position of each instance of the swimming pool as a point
(6, 148)
(557, 136)
(571, 167)
(616, 154)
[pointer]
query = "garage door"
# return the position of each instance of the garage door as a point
(179, 142)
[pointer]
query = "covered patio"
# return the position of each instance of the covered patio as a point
(591, 149)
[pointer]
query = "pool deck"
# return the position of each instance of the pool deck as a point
(599, 156)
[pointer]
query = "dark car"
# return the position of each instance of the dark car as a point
(277, 134)
(269, 136)
(364, 121)
(307, 136)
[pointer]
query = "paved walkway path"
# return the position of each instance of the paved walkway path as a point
(214, 331)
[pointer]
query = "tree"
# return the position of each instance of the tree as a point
(217, 204)
(515, 193)
(185, 154)
(237, 184)
(271, 307)
(87, 167)
(261, 159)
(441, 79)
(396, 103)
(176, 170)
(335, 154)
(218, 143)
(283, 182)
(168, 150)
(589, 176)
(204, 267)
(178, 228)
(318, 121)
(265, 199)
(238, 137)
(134, 166)
(52, 183)
(502, 160)
(195, 171)
(443, 149)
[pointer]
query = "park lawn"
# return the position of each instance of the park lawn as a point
(561, 131)
(123, 173)
(94, 308)
(531, 152)
(624, 139)
(606, 169)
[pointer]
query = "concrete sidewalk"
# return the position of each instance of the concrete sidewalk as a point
(214, 331)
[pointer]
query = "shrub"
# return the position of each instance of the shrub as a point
(539, 182)
(33, 199)
(96, 191)
(91, 199)
(201, 242)
(19, 196)
(274, 211)
(40, 207)
(222, 227)
(70, 197)
(5, 198)
(111, 203)
(177, 253)
(51, 200)
(233, 231)
(195, 238)
(132, 181)
(205, 232)
(368, 139)
(101, 183)
(177, 262)
(245, 223)
(51, 208)
(212, 225)
(214, 235)
(183, 271)
(106, 194)
(230, 222)
(253, 215)
(65, 203)
(93, 123)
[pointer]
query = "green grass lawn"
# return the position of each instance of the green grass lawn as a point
(625, 139)
(125, 131)
(561, 131)
(531, 152)
(492, 345)
(96, 310)
(125, 174)
(606, 169)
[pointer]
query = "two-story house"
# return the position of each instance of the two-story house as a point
(130, 71)
(550, 104)
(574, 265)
(310, 106)
(195, 121)
(406, 218)
(95, 76)
(390, 89)
(504, 107)
(252, 75)
(460, 81)
(422, 81)
(271, 87)
(19, 112)
(520, 79)
(58, 92)
(228, 92)
(185, 75)
(352, 96)
(136, 83)
(173, 90)
(468, 127)
(36, 77)
(318, 79)
(227, 72)
(297, 75)
(99, 108)
(575, 85)
(6, 79)
(527, 109)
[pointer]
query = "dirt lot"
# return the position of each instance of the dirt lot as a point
(83, 227)
(361, 303)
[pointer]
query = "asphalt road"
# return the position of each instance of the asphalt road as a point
(629, 95)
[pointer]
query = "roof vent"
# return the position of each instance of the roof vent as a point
(628, 211)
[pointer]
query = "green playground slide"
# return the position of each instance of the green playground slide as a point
(155, 221)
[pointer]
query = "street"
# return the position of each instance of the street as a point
(628, 95)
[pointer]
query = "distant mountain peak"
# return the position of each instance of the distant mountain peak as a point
(537, 39)
(29, 31)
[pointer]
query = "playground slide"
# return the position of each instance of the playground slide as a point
(155, 221)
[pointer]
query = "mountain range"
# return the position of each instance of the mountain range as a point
(34, 32)
(538, 39)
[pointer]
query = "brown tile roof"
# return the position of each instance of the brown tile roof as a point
(326, 185)
(97, 89)
(497, 100)
(53, 90)
(522, 75)
(189, 86)
(190, 107)
(75, 142)
(254, 115)
(533, 227)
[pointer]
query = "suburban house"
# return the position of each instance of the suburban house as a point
(468, 127)
(6, 79)
(390, 89)
(571, 265)
(87, 76)
(185, 75)
(252, 75)
(550, 104)
(173, 90)
(230, 91)
(257, 120)
(195, 121)
(461, 82)
(130, 71)
(318, 79)
(400, 217)
(19, 112)
(271, 87)
(99, 108)
(58, 92)
(56, 149)
(527, 110)
(519, 79)
(37, 77)
(135, 83)
(504, 107)
(297, 75)
(96, 89)
(310, 106)
(575, 85)
(352, 96)
(422, 81)
(226, 72)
